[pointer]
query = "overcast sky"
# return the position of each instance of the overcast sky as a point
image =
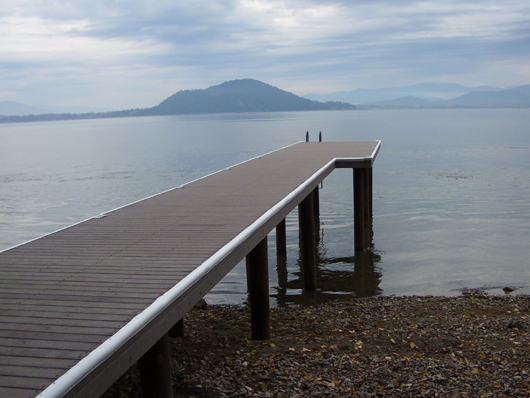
(121, 54)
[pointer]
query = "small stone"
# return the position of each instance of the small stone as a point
(514, 323)
(201, 305)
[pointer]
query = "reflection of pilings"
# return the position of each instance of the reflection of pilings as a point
(258, 290)
(281, 239)
(307, 242)
(357, 276)
(281, 269)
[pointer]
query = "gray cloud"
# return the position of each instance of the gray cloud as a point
(135, 53)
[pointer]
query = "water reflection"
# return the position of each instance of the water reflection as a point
(337, 277)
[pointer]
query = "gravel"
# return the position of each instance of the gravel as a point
(473, 345)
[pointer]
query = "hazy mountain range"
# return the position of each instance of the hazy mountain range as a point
(249, 95)
(245, 95)
(432, 95)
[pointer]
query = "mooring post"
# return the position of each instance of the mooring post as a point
(281, 239)
(307, 242)
(258, 291)
(155, 371)
(178, 329)
(358, 208)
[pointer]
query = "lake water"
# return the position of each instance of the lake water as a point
(451, 191)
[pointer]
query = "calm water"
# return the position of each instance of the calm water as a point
(451, 189)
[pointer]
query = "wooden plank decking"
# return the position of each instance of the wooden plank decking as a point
(64, 295)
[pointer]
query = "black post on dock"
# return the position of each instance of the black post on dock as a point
(258, 291)
(155, 371)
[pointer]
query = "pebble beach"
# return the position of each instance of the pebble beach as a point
(474, 345)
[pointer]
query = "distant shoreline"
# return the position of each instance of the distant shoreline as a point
(51, 117)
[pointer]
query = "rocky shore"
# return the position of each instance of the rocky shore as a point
(473, 345)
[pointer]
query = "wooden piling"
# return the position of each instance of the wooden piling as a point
(155, 371)
(316, 206)
(177, 330)
(281, 239)
(358, 208)
(316, 216)
(258, 291)
(371, 192)
(366, 200)
(307, 243)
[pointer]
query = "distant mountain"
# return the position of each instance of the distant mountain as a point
(405, 102)
(513, 98)
(12, 108)
(479, 97)
(429, 91)
(245, 95)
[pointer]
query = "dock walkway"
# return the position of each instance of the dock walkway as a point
(78, 307)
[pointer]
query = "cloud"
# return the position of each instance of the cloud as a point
(129, 46)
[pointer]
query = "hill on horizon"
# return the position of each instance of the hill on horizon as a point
(513, 97)
(244, 95)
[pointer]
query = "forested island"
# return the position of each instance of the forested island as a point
(245, 95)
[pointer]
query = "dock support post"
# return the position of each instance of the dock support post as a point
(359, 199)
(371, 193)
(155, 371)
(178, 329)
(258, 291)
(307, 242)
(281, 239)
(366, 190)
(316, 217)
(316, 206)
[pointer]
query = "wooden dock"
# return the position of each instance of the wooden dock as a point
(78, 307)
